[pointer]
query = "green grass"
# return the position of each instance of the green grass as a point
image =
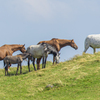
(75, 79)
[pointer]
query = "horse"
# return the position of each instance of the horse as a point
(58, 44)
(92, 41)
(6, 50)
(8, 60)
(53, 51)
(41, 51)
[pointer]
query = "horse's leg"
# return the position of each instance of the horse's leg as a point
(9, 66)
(53, 60)
(20, 68)
(38, 63)
(29, 64)
(5, 70)
(42, 62)
(45, 62)
(34, 64)
(94, 49)
(5, 67)
(86, 47)
(17, 69)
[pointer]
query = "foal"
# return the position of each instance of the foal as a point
(8, 60)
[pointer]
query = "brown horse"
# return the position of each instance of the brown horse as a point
(58, 44)
(6, 50)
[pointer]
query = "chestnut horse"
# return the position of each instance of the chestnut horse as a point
(58, 44)
(6, 50)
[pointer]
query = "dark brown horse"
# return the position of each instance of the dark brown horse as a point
(6, 50)
(58, 44)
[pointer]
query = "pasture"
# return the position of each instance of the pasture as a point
(75, 79)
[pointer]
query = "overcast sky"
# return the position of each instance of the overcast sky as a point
(30, 21)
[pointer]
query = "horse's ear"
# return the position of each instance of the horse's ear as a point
(23, 45)
(72, 40)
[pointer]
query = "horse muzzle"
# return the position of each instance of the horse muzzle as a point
(76, 47)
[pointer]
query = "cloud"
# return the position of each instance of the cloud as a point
(53, 9)
(37, 10)
(40, 9)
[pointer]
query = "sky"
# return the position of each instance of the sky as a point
(30, 21)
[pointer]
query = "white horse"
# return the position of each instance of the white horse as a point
(39, 51)
(92, 41)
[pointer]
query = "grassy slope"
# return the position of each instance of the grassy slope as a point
(76, 79)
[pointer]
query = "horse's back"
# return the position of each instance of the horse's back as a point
(94, 36)
(36, 50)
(93, 40)
(12, 59)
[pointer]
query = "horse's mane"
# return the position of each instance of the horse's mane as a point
(10, 45)
(4, 45)
(54, 38)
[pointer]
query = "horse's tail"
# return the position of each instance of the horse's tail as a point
(41, 42)
(5, 61)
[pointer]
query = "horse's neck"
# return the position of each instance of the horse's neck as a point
(15, 48)
(64, 43)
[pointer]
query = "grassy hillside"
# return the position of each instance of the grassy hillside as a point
(76, 79)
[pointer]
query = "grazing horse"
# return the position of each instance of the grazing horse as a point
(92, 41)
(41, 50)
(8, 60)
(58, 44)
(6, 50)
(53, 51)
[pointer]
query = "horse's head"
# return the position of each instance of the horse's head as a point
(57, 57)
(22, 48)
(73, 44)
